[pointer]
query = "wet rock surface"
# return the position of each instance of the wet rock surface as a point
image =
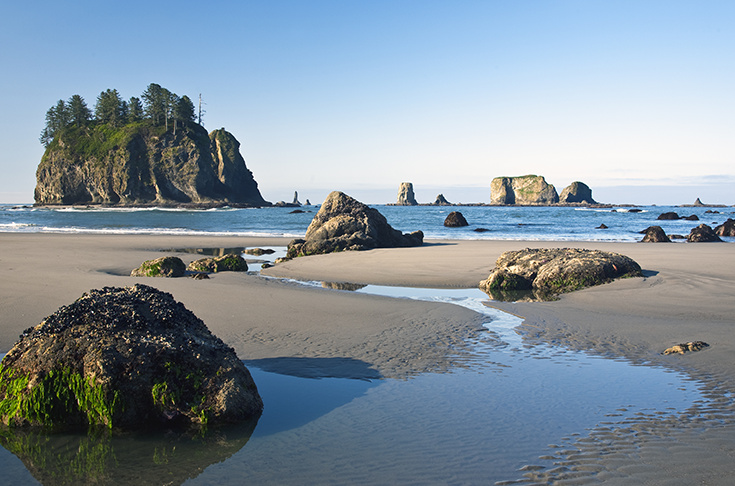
(544, 273)
(726, 229)
(344, 223)
(226, 263)
(167, 266)
(124, 358)
(655, 234)
(702, 234)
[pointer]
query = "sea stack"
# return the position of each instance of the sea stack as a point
(577, 192)
(524, 190)
(405, 195)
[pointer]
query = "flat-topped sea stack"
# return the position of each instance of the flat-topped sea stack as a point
(141, 164)
(405, 195)
(525, 190)
(344, 223)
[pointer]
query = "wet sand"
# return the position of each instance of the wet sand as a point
(686, 295)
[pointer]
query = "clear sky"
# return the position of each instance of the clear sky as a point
(634, 98)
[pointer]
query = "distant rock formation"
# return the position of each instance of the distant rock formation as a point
(145, 360)
(702, 234)
(655, 234)
(668, 216)
(307, 203)
(344, 223)
(550, 271)
(455, 219)
(530, 189)
(143, 165)
(698, 203)
(296, 198)
(577, 192)
(441, 201)
(405, 195)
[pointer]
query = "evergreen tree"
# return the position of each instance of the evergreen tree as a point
(109, 108)
(57, 118)
(135, 110)
(79, 113)
(185, 110)
(155, 98)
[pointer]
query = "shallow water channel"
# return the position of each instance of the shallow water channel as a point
(475, 425)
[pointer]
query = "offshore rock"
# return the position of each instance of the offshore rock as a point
(168, 266)
(655, 234)
(455, 219)
(124, 358)
(577, 192)
(441, 201)
(547, 272)
(530, 189)
(669, 216)
(344, 223)
(727, 228)
(702, 234)
(144, 165)
(405, 195)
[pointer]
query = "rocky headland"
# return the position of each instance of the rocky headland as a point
(142, 164)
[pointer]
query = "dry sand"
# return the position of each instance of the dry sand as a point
(687, 294)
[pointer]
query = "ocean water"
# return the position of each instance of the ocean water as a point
(496, 223)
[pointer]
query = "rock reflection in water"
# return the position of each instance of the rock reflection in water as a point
(535, 295)
(343, 286)
(155, 458)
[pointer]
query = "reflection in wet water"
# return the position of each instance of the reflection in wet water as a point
(155, 458)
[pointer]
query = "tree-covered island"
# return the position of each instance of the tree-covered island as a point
(147, 151)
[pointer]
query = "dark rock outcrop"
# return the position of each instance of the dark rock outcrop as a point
(405, 195)
(686, 347)
(168, 266)
(441, 201)
(344, 223)
(455, 219)
(144, 165)
(124, 358)
(702, 234)
(530, 189)
(225, 263)
(668, 216)
(727, 228)
(577, 192)
(547, 272)
(655, 234)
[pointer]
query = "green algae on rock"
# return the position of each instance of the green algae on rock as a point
(225, 263)
(546, 272)
(168, 266)
(124, 358)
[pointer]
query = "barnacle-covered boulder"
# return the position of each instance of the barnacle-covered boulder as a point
(124, 358)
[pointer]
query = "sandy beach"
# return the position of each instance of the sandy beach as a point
(686, 295)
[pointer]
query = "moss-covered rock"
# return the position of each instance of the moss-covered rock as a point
(123, 358)
(550, 271)
(225, 263)
(168, 266)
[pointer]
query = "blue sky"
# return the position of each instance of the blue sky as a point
(634, 98)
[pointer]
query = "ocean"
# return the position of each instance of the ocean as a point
(485, 222)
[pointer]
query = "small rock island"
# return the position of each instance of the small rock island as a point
(133, 153)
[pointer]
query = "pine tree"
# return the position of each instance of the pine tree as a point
(57, 118)
(135, 110)
(109, 108)
(79, 113)
(154, 99)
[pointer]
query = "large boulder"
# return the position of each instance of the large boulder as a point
(167, 266)
(230, 262)
(344, 223)
(727, 228)
(550, 271)
(577, 192)
(702, 234)
(655, 234)
(124, 358)
(455, 219)
(405, 195)
(530, 190)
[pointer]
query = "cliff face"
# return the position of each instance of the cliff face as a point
(577, 192)
(144, 165)
(530, 189)
(405, 195)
